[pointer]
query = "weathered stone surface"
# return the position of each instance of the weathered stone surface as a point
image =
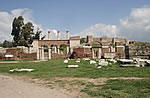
(65, 61)
(103, 62)
(92, 62)
(72, 66)
(21, 70)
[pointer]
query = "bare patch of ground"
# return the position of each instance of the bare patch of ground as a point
(12, 87)
(57, 87)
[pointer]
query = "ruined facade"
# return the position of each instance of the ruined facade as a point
(100, 47)
(52, 49)
(106, 47)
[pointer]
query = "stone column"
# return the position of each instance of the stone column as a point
(58, 51)
(93, 54)
(49, 53)
(67, 49)
(40, 34)
(49, 35)
(38, 54)
(99, 53)
(55, 50)
(71, 50)
(67, 34)
(58, 35)
(42, 53)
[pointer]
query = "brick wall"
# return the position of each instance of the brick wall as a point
(105, 50)
(56, 56)
(18, 54)
(82, 53)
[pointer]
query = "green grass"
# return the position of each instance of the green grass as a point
(141, 43)
(56, 68)
(120, 89)
(112, 89)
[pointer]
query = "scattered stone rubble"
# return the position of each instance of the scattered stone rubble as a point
(21, 70)
(73, 66)
(136, 62)
(92, 62)
(65, 61)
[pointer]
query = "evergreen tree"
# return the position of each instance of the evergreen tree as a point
(27, 34)
(16, 29)
(23, 33)
(7, 44)
(37, 34)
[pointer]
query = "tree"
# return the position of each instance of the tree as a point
(83, 40)
(1, 44)
(16, 29)
(23, 33)
(37, 34)
(27, 34)
(7, 44)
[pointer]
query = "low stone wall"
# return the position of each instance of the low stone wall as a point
(56, 56)
(18, 54)
(2, 56)
(109, 55)
(137, 51)
(82, 53)
(32, 56)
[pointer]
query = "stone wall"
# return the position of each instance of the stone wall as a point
(58, 56)
(82, 53)
(142, 51)
(110, 55)
(18, 54)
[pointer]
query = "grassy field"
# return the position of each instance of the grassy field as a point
(120, 89)
(112, 88)
(56, 68)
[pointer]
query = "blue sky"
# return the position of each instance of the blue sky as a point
(75, 15)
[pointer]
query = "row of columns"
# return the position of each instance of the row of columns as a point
(40, 52)
(58, 35)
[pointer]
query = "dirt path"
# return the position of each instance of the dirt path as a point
(26, 87)
(11, 87)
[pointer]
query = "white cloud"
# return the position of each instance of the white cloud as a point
(101, 30)
(135, 27)
(53, 34)
(7, 18)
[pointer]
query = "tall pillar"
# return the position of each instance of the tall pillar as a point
(58, 35)
(55, 50)
(49, 53)
(99, 53)
(67, 49)
(67, 34)
(38, 54)
(40, 35)
(58, 51)
(93, 54)
(71, 50)
(49, 35)
(42, 53)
